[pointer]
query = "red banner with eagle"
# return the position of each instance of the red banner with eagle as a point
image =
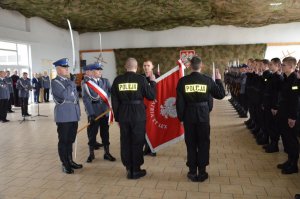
(162, 126)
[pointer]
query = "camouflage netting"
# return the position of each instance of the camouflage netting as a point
(167, 57)
(109, 15)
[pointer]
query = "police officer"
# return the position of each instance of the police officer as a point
(36, 87)
(127, 94)
(94, 106)
(9, 81)
(46, 86)
(24, 86)
(103, 121)
(275, 83)
(287, 114)
(148, 71)
(66, 114)
(4, 97)
(193, 92)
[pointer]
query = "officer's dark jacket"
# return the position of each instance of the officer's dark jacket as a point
(127, 95)
(288, 103)
(193, 93)
(266, 87)
(275, 83)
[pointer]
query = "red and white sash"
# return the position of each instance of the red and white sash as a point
(103, 96)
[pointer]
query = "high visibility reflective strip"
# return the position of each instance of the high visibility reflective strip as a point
(195, 88)
(128, 87)
(266, 80)
(295, 88)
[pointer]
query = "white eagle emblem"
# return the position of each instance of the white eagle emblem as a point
(169, 108)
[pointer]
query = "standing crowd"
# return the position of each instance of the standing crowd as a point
(269, 92)
(15, 91)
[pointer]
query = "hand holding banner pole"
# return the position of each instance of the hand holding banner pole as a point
(97, 118)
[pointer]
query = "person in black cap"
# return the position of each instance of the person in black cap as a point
(66, 114)
(127, 95)
(193, 93)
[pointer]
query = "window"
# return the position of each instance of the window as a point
(14, 54)
(282, 51)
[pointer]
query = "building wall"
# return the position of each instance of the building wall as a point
(48, 42)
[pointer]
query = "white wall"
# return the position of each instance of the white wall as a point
(109, 68)
(192, 36)
(48, 42)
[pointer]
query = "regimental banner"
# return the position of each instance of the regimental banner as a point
(162, 126)
(186, 56)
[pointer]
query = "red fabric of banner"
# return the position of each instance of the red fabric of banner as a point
(162, 126)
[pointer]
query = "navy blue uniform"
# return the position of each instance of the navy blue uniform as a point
(127, 95)
(192, 104)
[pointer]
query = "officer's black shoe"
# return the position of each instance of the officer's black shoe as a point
(67, 169)
(152, 154)
(107, 155)
(243, 115)
(290, 169)
(284, 165)
(27, 115)
(272, 148)
(202, 176)
(192, 176)
(10, 111)
(99, 145)
(297, 196)
(138, 174)
(247, 122)
(262, 141)
(90, 158)
(4, 121)
(74, 165)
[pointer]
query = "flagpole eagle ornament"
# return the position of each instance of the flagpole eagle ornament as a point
(100, 59)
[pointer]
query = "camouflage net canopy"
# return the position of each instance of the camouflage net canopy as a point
(109, 15)
(167, 57)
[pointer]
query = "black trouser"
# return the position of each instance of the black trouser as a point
(267, 122)
(46, 94)
(24, 105)
(197, 139)
(289, 138)
(92, 131)
(10, 101)
(274, 129)
(243, 101)
(36, 95)
(3, 109)
(132, 141)
(16, 97)
(104, 130)
(66, 137)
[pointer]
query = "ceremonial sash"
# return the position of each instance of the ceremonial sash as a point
(103, 96)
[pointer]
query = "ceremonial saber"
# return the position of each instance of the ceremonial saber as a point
(73, 64)
(72, 40)
(100, 42)
(97, 118)
(214, 72)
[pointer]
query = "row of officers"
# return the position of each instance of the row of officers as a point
(127, 97)
(23, 85)
(15, 91)
(270, 92)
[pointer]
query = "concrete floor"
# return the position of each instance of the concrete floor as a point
(30, 168)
